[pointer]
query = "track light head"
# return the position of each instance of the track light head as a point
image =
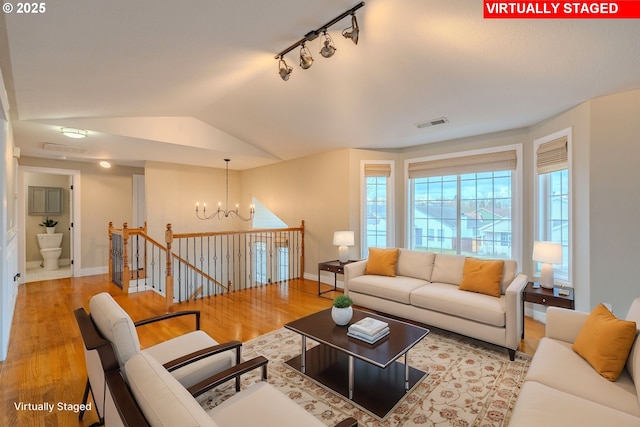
(306, 60)
(328, 49)
(284, 70)
(355, 30)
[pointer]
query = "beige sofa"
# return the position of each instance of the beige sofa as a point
(562, 389)
(425, 289)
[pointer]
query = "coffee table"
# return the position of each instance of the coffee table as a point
(366, 374)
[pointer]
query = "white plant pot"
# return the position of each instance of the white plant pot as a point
(342, 316)
(51, 230)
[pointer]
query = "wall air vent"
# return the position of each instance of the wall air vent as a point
(60, 148)
(434, 122)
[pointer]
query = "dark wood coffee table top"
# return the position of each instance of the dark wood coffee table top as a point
(320, 327)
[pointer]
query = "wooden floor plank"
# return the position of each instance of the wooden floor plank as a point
(45, 361)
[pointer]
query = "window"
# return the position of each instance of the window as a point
(465, 203)
(377, 206)
(553, 201)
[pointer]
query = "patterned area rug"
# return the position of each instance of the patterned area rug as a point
(469, 383)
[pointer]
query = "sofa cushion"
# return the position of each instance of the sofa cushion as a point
(508, 274)
(161, 398)
(605, 341)
(382, 262)
(262, 405)
(190, 342)
(556, 365)
(482, 276)
(541, 405)
(115, 325)
(397, 288)
(417, 264)
(448, 269)
(633, 362)
(449, 299)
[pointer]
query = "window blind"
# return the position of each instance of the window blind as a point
(552, 156)
(487, 162)
(377, 169)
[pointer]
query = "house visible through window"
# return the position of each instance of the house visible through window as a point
(464, 203)
(553, 198)
(377, 206)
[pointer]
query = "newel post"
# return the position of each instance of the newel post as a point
(126, 273)
(168, 237)
(302, 253)
(110, 251)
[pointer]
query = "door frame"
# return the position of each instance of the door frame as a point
(74, 201)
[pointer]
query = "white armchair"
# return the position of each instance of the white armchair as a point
(190, 358)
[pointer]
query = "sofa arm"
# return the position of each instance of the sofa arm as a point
(352, 270)
(564, 324)
(513, 311)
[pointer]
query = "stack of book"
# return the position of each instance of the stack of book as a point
(369, 330)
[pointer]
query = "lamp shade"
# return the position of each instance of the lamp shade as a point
(548, 252)
(343, 238)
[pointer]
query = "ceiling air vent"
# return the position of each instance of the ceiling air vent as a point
(434, 122)
(59, 148)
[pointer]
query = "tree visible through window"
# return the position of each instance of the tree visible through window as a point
(464, 203)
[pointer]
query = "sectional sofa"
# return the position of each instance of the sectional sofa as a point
(425, 287)
(563, 389)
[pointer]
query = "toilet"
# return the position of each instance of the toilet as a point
(50, 249)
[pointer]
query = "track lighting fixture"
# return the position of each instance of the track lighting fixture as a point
(327, 47)
(284, 70)
(306, 60)
(353, 34)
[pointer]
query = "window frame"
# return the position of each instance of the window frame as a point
(516, 193)
(364, 249)
(538, 205)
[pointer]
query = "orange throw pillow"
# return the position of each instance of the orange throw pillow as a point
(382, 262)
(605, 342)
(482, 276)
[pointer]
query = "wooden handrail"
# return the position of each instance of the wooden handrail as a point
(170, 236)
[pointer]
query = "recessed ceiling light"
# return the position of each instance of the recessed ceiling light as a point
(73, 132)
(105, 164)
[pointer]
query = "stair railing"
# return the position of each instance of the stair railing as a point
(198, 265)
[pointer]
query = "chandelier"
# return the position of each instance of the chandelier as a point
(226, 213)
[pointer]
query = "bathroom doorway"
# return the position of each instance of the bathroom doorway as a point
(35, 208)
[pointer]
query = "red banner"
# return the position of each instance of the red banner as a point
(623, 9)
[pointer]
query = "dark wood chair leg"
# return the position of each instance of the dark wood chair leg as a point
(512, 354)
(85, 396)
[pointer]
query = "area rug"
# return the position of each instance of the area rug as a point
(469, 383)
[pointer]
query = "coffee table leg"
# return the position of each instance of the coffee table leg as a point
(351, 377)
(406, 371)
(303, 355)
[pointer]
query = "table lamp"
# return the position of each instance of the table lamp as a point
(547, 253)
(343, 239)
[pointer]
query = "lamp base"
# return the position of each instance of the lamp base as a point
(546, 276)
(343, 254)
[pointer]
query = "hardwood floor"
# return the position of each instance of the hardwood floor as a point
(45, 361)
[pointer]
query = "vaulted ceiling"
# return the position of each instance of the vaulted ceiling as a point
(196, 81)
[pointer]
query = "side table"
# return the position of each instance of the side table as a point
(336, 267)
(546, 297)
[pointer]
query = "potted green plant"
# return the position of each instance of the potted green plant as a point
(50, 225)
(341, 312)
